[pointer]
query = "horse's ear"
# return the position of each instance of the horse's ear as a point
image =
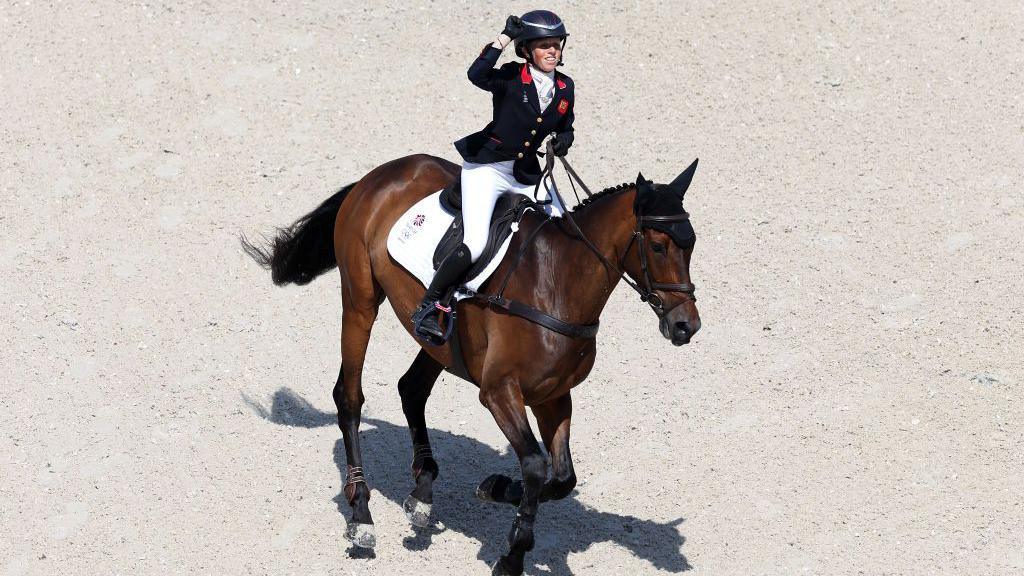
(640, 178)
(682, 182)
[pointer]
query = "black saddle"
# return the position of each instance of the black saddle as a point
(451, 200)
(508, 210)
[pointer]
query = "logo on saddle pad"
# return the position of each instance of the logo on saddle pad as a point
(412, 227)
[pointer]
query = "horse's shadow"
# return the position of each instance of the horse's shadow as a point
(563, 526)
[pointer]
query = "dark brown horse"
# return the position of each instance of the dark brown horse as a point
(567, 268)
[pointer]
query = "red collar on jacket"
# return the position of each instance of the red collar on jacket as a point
(527, 78)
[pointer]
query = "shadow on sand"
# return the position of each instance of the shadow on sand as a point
(563, 527)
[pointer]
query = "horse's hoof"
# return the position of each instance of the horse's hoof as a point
(361, 534)
(500, 569)
(417, 512)
(499, 488)
(486, 490)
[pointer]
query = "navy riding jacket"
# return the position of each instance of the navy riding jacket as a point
(517, 127)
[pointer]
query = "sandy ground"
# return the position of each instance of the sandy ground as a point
(851, 406)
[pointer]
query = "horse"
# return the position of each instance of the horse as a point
(560, 270)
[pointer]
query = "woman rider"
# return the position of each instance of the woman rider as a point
(531, 100)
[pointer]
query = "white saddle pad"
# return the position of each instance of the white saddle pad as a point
(415, 235)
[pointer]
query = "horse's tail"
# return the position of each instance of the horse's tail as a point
(301, 252)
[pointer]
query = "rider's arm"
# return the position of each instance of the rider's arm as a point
(501, 41)
(563, 137)
(482, 72)
(565, 126)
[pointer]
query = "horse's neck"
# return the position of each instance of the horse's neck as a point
(583, 283)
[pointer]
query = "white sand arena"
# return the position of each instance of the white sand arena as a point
(852, 404)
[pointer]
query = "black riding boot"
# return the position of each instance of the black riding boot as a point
(425, 317)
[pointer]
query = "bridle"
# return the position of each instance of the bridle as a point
(649, 288)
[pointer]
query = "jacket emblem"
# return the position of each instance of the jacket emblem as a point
(563, 106)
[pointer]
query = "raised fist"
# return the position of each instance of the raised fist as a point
(514, 27)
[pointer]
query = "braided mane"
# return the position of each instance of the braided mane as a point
(610, 191)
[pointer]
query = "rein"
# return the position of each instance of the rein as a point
(647, 290)
(528, 312)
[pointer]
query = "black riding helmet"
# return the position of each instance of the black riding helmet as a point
(540, 24)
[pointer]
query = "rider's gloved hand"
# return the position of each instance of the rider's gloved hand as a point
(514, 27)
(560, 143)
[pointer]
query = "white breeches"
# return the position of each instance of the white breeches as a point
(481, 186)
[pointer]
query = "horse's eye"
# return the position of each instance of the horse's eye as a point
(659, 248)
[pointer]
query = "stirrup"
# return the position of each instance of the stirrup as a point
(425, 311)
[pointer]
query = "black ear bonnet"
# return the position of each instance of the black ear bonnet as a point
(666, 200)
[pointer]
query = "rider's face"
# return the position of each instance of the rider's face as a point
(546, 53)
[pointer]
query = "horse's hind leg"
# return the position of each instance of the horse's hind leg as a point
(360, 305)
(414, 387)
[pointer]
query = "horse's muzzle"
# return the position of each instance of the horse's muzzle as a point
(679, 332)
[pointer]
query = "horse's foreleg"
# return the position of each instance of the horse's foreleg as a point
(414, 387)
(553, 419)
(505, 401)
(348, 396)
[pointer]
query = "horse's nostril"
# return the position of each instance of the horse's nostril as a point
(683, 326)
